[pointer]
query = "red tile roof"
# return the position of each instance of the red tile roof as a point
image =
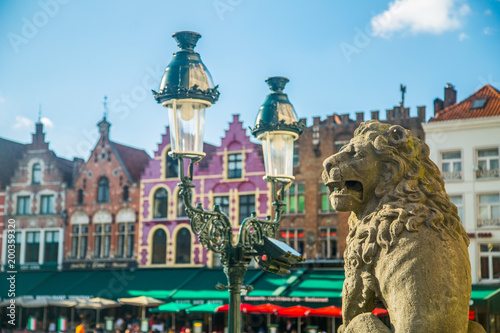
(463, 110)
(134, 160)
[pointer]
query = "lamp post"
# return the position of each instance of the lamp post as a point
(187, 90)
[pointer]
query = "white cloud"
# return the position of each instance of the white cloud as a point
(420, 16)
(488, 31)
(23, 122)
(487, 12)
(462, 36)
(47, 122)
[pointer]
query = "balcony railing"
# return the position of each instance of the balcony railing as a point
(493, 173)
(451, 175)
(488, 222)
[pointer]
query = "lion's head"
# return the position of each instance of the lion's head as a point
(385, 173)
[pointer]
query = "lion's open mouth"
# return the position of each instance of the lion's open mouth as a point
(352, 188)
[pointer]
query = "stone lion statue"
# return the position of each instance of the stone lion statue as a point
(406, 250)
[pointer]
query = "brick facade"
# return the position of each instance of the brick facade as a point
(103, 206)
(36, 199)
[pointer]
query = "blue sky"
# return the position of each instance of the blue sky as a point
(340, 56)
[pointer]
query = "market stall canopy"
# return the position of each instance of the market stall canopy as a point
(244, 307)
(293, 311)
(36, 303)
(380, 312)
(328, 311)
(171, 307)
(65, 303)
(98, 303)
(264, 309)
(203, 308)
(141, 301)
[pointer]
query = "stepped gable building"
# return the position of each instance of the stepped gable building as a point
(230, 175)
(103, 206)
(464, 140)
(10, 154)
(36, 199)
(311, 225)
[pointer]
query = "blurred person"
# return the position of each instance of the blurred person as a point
(120, 324)
(81, 328)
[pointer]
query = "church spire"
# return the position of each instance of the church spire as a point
(104, 125)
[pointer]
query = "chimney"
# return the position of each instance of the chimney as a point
(450, 95)
(406, 113)
(421, 113)
(389, 114)
(360, 117)
(316, 121)
(77, 164)
(438, 105)
(344, 118)
(375, 115)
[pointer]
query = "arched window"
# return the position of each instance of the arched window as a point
(36, 175)
(160, 203)
(172, 167)
(103, 190)
(80, 196)
(125, 193)
(159, 255)
(183, 247)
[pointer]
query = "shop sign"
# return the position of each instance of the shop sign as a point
(93, 265)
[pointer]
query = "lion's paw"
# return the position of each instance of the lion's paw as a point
(366, 323)
(475, 327)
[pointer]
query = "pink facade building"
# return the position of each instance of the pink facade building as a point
(230, 175)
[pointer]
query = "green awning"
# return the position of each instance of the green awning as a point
(317, 283)
(202, 286)
(171, 307)
(59, 284)
(318, 288)
(483, 294)
(267, 283)
(203, 308)
(161, 283)
(24, 282)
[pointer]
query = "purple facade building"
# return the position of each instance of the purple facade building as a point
(230, 175)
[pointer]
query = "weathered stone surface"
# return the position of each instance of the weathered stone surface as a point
(367, 322)
(406, 250)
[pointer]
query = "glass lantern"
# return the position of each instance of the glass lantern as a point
(276, 126)
(277, 147)
(187, 123)
(186, 90)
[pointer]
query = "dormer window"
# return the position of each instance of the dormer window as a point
(37, 173)
(479, 103)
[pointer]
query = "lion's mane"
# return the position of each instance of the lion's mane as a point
(412, 196)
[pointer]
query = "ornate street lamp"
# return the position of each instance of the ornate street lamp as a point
(186, 90)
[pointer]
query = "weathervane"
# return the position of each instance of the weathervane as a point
(105, 104)
(403, 91)
(40, 113)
